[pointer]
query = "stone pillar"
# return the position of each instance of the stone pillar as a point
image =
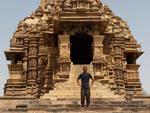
(50, 50)
(98, 47)
(48, 80)
(64, 47)
(118, 62)
(25, 59)
(42, 65)
(98, 57)
(64, 56)
(32, 65)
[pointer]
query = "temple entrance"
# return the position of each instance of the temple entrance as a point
(81, 48)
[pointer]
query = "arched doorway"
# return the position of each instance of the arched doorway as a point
(81, 51)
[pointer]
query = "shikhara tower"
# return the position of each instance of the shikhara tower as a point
(50, 47)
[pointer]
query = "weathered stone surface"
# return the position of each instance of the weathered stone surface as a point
(30, 105)
(50, 47)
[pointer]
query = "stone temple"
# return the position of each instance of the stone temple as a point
(50, 47)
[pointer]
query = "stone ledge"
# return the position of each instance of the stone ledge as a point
(17, 98)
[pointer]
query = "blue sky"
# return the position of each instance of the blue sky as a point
(135, 12)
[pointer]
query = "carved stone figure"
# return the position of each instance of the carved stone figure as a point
(32, 51)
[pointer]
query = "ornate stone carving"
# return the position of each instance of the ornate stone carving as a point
(43, 60)
(42, 43)
(32, 75)
(32, 63)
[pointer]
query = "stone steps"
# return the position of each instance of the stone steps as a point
(76, 94)
(78, 88)
(70, 89)
(73, 106)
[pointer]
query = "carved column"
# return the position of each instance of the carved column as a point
(48, 83)
(32, 65)
(64, 47)
(98, 46)
(42, 65)
(25, 59)
(50, 67)
(98, 56)
(117, 44)
(64, 56)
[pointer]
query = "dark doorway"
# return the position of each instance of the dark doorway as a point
(81, 48)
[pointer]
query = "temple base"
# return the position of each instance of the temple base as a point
(19, 105)
(71, 90)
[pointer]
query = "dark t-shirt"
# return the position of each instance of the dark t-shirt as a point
(85, 77)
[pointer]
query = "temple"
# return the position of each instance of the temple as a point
(50, 47)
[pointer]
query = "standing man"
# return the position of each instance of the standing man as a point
(85, 87)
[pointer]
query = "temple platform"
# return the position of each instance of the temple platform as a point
(32, 105)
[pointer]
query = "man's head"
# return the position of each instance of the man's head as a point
(84, 69)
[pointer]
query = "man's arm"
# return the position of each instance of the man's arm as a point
(78, 80)
(92, 80)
